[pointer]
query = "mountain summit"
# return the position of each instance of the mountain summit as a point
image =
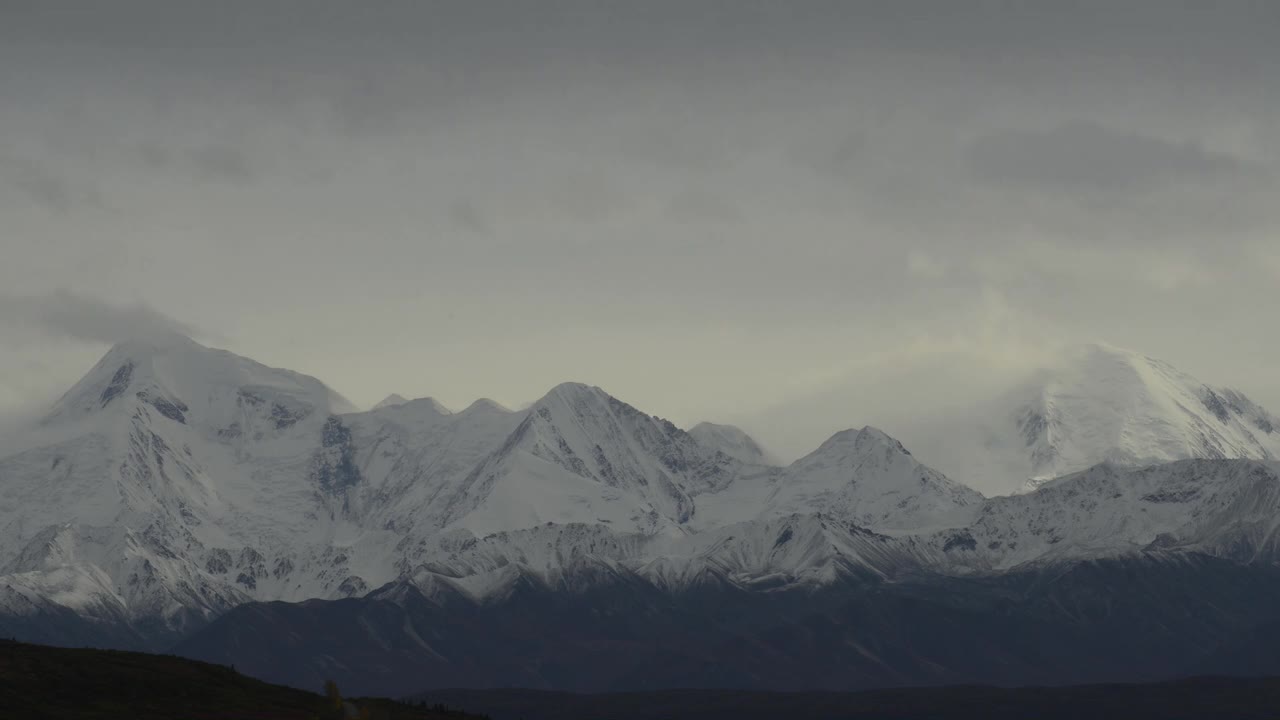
(1100, 404)
(1122, 407)
(872, 479)
(391, 401)
(732, 441)
(178, 376)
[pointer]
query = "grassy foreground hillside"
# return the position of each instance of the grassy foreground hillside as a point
(37, 681)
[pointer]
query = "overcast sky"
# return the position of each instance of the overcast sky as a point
(798, 216)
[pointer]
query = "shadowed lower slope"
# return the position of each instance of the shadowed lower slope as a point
(1191, 699)
(82, 684)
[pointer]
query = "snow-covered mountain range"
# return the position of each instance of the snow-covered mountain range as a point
(175, 482)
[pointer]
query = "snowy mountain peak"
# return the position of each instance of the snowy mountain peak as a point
(732, 441)
(391, 400)
(185, 381)
(576, 404)
(427, 405)
(868, 476)
(1098, 403)
(485, 405)
(572, 393)
(1108, 404)
(582, 455)
(127, 365)
(868, 439)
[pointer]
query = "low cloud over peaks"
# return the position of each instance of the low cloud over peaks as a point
(63, 313)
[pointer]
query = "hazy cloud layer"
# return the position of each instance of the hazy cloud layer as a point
(65, 314)
(1096, 159)
(802, 216)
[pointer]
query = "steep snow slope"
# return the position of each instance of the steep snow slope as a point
(757, 554)
(580, 455)
(1224, 508)
(861, 476)
(870, 479)
(1227, 509)
(149, 468)
(1102, 404)
(407, 462)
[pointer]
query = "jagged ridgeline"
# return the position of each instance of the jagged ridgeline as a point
(176, 486)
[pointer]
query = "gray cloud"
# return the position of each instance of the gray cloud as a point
(699, 206)
(745, 202)
(64, 313)
(466, 215)
(1230, 33)
(1094, 158)
(44, 186)
(211, 161)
